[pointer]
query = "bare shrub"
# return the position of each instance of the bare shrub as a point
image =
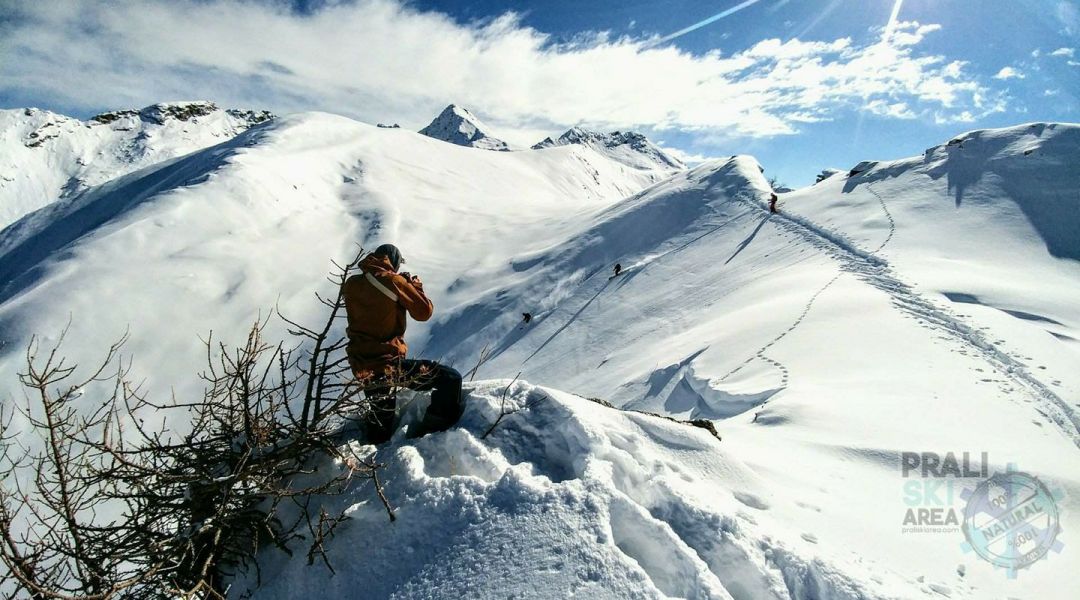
(98, 502)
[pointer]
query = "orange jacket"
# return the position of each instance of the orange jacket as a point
(376, 314)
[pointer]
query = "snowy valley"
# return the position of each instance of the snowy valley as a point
(914, 305)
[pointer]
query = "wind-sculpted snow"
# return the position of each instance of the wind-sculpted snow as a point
(819, 332)
(569, 497)
(1035, 165)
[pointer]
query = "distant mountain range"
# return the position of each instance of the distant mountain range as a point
(457, 125)
(627, 147)
(46, 156)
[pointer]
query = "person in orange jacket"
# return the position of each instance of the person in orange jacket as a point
(377, 301)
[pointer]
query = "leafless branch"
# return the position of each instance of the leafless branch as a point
(100, 500)
(505, 411)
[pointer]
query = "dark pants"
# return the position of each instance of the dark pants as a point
(443, 382)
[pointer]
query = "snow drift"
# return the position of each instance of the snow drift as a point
(569, 497)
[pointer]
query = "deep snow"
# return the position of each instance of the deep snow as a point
(568, 497)
(926, 304)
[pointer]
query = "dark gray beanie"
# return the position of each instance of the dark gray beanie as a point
(391, 252)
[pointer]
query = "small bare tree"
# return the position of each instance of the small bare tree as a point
(52, 545)
(100, 503)
(506, 410)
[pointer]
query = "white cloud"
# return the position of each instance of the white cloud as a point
(1008, 73)
(949, 119)
(896, 110)
(1069, 52)
(688, 158)
(381, 60)
(1069, 16)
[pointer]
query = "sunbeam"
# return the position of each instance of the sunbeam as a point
(886, 36)
(702, 23)
(891, 25)
(821, 16)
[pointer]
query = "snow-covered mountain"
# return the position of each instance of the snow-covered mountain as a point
(924, 304)
(628, 147)
(45, 156)
(458, 126)
(235, 228)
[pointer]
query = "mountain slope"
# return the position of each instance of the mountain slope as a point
(629, 148)
(986, 226)
(816, 338)
(708, 226)
(253, 222)
(45, 156)
(819, 340)
(458, 126)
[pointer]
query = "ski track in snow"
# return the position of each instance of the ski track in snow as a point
(760, 354)
(877, 271)
(884, 207)
(785, 373)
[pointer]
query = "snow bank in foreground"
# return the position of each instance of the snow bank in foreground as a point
(569, 497)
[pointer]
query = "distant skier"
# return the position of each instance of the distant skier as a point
(772, 203)
(376, 302)
(618, 269)
(526, 318)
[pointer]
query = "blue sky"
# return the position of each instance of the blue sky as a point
(801, 84)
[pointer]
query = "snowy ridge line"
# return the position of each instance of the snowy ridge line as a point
(877, 272)
(821, 237)
(699, 423)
